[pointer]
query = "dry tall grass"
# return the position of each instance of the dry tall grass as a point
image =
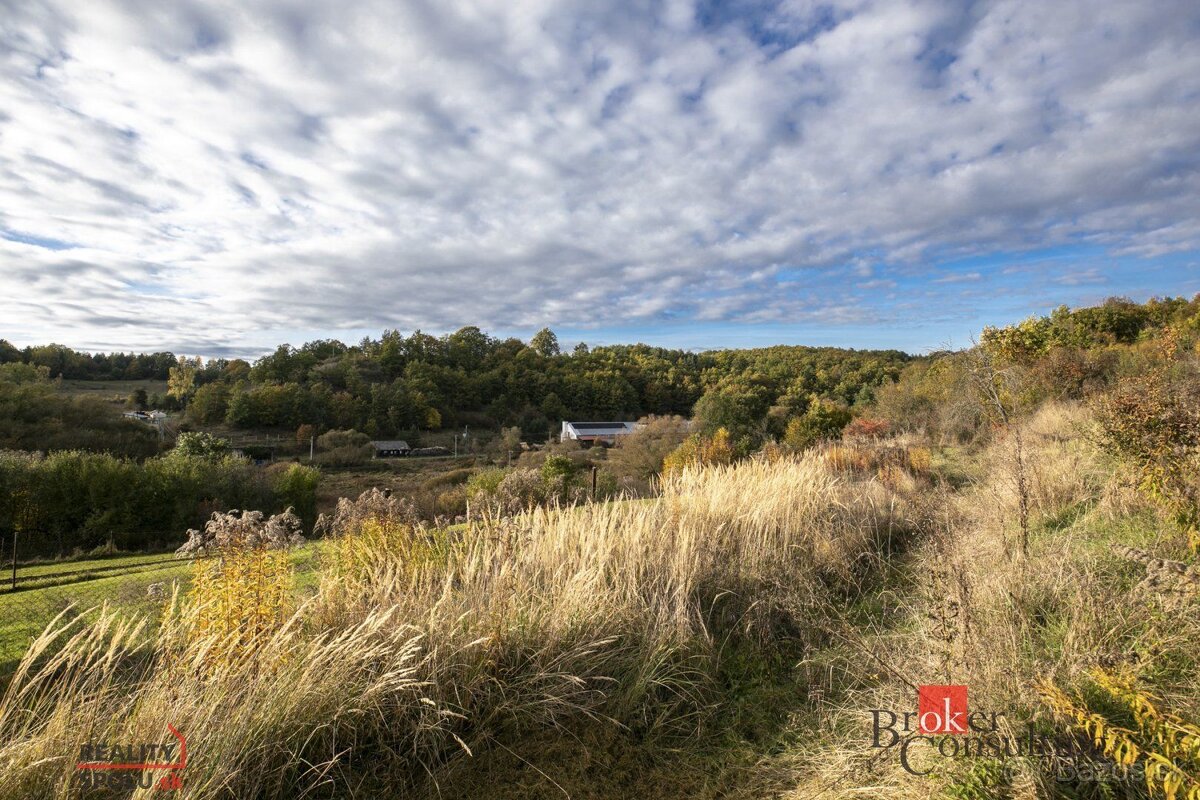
(422, 646)
(1073, 606)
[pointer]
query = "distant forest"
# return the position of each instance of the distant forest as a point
(398, 383)
(401, 385)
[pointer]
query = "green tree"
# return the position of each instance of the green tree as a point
(209, 404)
(545, 343)
(738, 408)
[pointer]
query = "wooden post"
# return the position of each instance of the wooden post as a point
(14, 559)
(593, 483)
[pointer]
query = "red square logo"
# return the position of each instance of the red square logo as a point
(942, 709)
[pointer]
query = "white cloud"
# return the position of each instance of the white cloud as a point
(228, 170)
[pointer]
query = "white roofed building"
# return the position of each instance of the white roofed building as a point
(596, 432)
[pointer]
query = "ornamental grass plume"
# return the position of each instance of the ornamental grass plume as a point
(244, 530)
(378, 505)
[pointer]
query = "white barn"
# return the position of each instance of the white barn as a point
(596, 432)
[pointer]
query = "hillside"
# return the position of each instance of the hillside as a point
(758, 625)
(408, 384)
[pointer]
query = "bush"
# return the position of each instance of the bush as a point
(865, 428)
(484, 483)
(511, 491)
(455, 477)
(201, 445)
(521, 490)
(558, 468)
(699, 450)
(343, 448)
(295, 487)
(1152, 421)
(640, 455)
(333, 440)
(822, 421)
(373, 505)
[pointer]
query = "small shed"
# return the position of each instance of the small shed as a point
(390, 449)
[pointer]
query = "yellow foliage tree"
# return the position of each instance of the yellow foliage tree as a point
(700, 451)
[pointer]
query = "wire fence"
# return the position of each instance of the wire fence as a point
(33, 594)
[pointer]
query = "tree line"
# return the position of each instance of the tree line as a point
(63, 362)
(405, 383)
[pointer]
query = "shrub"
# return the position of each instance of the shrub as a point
(333, 440)
(640, 455)
(822, 421)
(295, 487)
(483, 484)
(455, 477)
(1127, 724)
(378, 505)
(201, 445)
(520, 490)
(866, 428)
(343, 448)
(700, 451)
(1152, 421)
(558, 468)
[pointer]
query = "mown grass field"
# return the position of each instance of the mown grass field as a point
(114, 391)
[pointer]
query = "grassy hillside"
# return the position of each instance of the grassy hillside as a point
(113, 391)
(998, 520)
(626, 614)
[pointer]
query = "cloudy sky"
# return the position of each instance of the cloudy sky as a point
(216, 178)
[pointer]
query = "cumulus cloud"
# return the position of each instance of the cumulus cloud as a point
(202, 175)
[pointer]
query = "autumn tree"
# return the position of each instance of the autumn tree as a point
(181, 378)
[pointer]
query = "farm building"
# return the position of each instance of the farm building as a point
(390, 449)
(596, 432)
(145, 416)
